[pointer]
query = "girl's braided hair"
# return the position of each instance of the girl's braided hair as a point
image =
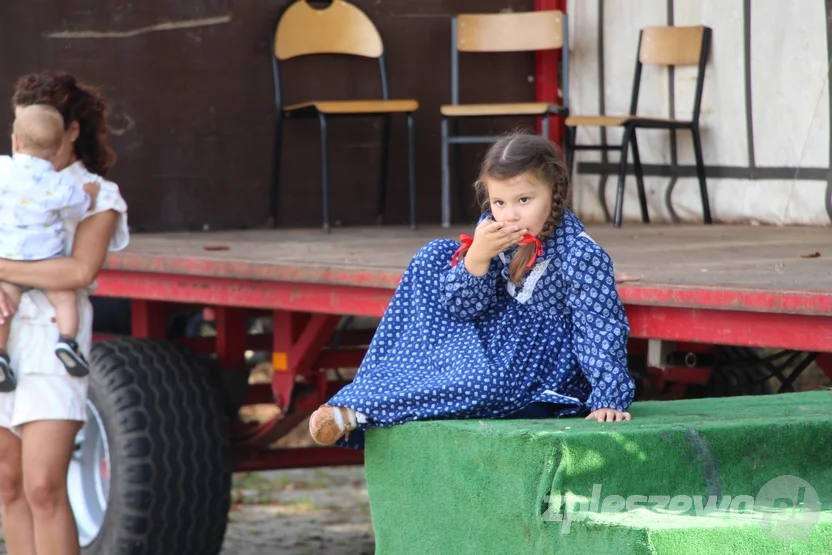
(514, 155)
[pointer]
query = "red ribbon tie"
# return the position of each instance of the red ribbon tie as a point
(467, 241)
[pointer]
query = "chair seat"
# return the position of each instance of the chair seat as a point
(503, 109)
(354, 106)
(616, 121)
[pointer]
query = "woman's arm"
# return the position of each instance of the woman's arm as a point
(92, 239)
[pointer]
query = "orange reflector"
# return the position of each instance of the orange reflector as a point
(280, 361)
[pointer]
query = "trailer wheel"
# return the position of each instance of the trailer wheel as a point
(151, 471)
(740, 372)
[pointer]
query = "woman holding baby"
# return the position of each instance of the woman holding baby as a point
(40, 418)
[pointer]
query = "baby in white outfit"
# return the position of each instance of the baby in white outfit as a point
(34, 201)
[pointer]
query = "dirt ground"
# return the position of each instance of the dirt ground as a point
(298, 512)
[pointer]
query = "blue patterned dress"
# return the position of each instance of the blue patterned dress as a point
(453, 345)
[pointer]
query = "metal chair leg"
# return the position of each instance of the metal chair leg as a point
(642, 194)
(385, 169)
(324, 172)
(276, 154)
(569, 139)
(411, 169)
(446, 178)
(700, 172)
(622, 173)
(459, 176)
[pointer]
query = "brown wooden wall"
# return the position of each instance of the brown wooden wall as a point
(192, 103)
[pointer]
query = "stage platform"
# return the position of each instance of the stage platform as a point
(736, 285)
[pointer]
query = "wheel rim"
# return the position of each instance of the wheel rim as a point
(88, 482)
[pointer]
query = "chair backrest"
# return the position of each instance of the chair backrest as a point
(340, 28)
(510, 32)
(673, 46)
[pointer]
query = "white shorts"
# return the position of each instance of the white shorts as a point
(45, 390)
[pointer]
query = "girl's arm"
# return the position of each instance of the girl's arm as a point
(467, 296)
(92, 239)
(600, 327)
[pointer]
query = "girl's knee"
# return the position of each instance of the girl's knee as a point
(11, 468)
(44, 490)
(11, 482)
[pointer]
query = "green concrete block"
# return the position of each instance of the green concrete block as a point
(644, 486)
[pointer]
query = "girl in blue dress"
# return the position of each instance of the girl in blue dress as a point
(522, 320)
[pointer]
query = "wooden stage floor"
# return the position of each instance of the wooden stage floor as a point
(723, 257)
(738, 285)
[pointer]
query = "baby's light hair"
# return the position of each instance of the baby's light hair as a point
(39, 130)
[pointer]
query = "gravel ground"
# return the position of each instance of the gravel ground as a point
(298, 512)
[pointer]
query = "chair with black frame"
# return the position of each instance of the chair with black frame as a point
(663, 46)
(500, 32)
(340, 28)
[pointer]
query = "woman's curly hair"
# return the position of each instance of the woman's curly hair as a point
(77, 102)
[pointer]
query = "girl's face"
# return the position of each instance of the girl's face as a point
(523, 200)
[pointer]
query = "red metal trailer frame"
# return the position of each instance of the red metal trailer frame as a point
(307, 299)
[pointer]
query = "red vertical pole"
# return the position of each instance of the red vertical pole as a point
(546, 73)
(232, 334)
(148, 319)
(288, 326)
(299, 339)
(824, 361)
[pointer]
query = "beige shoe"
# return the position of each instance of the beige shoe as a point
(328, 424)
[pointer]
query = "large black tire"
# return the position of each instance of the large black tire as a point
(168, 440)
(727, 381)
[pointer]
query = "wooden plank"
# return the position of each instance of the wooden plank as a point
(744, 258)
(723, 257)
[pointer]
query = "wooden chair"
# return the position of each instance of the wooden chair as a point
(340, 28)
(664, 46)
(503, 32)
